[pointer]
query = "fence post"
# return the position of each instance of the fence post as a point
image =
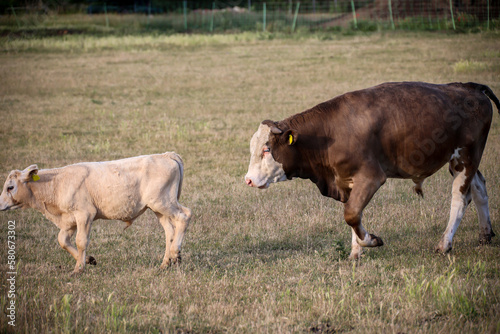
(488, 13)
(452, 19)
(17, 21)
(184, 5)
(294, 24)
(354, 14)
(264, 19)
(212, 18)
(106, 15)
(390, 14)
(149, 11)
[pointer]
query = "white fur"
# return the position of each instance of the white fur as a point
(263, 169)
(459, 203)
(74, 196)
(480, 198)
(356, 249)
(456, 154)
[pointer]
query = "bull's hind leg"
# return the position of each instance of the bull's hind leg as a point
(480, 198)
(460, 199)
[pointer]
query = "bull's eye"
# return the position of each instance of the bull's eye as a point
(10, 188)
(267, 150)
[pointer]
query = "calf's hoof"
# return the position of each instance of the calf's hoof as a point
(176, 260)
(355, 256)
(76, 273)
(91, 260)
(170, 262)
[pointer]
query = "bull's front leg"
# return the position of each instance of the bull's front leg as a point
(364, 187)
(356, 249)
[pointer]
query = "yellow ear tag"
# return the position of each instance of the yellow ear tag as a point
(290, 139)
(35, 177)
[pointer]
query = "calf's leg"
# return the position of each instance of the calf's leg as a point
(181, 222)
(165, 222)
(175, 223)
(64, 239)
(84, 223)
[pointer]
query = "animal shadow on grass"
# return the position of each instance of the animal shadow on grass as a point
(243, 252)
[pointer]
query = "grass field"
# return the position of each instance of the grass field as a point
(272, 261)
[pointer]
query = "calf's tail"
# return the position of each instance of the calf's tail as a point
(486, 91)
(177, 158)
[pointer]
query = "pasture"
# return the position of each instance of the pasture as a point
(253, 261)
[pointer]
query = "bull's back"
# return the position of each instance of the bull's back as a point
(414, 128)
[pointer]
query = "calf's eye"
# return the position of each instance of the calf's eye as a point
(10, 188)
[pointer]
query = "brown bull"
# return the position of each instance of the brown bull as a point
(350, 145)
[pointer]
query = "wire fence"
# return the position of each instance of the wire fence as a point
(293, 16)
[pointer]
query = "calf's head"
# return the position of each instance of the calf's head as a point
(15, 192)
(271, 155)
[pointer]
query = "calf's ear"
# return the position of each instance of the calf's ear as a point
(29, 174)
(291, 137)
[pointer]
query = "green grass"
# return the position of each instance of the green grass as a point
(278, 21)
(253, 261)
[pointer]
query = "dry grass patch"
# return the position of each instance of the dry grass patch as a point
(253, 261)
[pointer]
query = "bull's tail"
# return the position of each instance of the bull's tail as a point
(486, 91)
(177, 158)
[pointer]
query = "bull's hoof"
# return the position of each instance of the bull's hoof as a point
(376, 241)
(485, 239)
(91, 260)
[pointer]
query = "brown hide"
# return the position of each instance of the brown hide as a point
(404, 130)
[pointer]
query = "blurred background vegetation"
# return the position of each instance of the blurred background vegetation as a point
(208, 16)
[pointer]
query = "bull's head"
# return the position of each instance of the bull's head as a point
(270, 148)
(15, 192)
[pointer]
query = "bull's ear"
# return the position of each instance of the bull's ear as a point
(273, 126)
(291, 137)
(29, 174)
